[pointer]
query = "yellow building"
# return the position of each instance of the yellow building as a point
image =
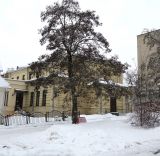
(23, 96)
(143, 50)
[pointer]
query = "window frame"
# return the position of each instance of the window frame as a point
(6, 98)
(32, 99)
(44, 97)
(37, 98)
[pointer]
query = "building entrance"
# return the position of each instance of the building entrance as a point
(19, 100)
(113, 104)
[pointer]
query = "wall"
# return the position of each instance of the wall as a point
(87, 104)
(2, 98)
(143, 51)
(15, 85)
(18, 73)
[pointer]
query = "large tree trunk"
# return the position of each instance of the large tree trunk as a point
(73, 89)
(100, 104)
(74, 107)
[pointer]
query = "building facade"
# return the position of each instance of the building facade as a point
(143, 50)
(4, 86)
(22, 96)
(148, 48)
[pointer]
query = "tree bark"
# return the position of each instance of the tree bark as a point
(73, 89)
(74, 107)
(100, 104)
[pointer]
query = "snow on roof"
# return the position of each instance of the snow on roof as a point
(108, 82)
(11, 70)
(4, 83)
(111, 82)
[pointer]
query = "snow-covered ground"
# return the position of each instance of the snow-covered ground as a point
(102, 135)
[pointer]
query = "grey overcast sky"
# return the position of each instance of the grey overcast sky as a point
(122, 21)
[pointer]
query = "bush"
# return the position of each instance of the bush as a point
(146, 114)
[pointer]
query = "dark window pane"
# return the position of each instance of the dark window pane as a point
(6, 99)
(32, 99)
(30, 76)
(37, 98)
(44, 97)
(23, 77)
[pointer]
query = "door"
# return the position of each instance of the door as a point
(19, 101)
(113, 104)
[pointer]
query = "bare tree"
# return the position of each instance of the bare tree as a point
(146, 85)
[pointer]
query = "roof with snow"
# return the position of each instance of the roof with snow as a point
(109, 82)
(3, 83)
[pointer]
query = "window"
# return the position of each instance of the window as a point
(37, 75)
(17, 77)
(32, 99)
(37, 98)
(44, 97)
(30, 76)
(23, 77)
(6, 99)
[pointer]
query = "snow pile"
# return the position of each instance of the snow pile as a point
(102, 135)
(98, 117)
